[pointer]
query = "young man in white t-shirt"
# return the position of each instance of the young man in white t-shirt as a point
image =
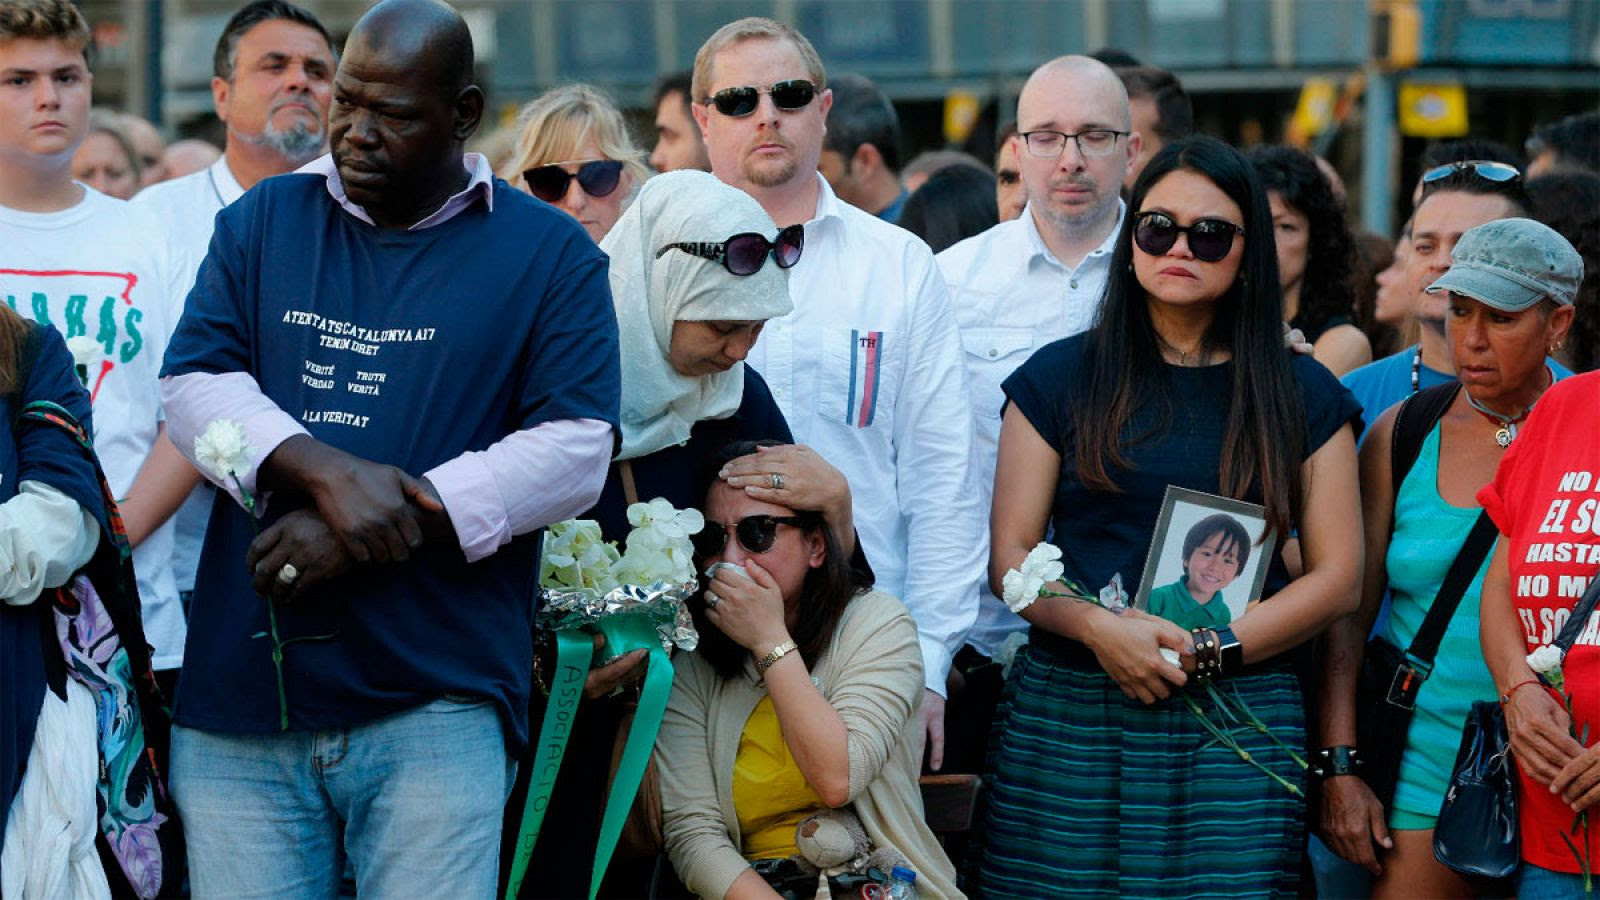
(92, 267)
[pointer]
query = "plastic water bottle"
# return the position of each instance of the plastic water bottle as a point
(902, 884)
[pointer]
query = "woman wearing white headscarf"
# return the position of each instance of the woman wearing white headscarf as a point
(692, 291)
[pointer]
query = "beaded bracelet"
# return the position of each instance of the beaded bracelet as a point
(1207, 662)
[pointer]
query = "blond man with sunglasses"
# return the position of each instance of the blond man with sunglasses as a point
(867, 369)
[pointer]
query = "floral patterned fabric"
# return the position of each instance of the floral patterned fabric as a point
(98, 628)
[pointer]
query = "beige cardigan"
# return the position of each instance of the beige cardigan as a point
(872, 674)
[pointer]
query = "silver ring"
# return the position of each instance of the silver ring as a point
(288, 574)
(776, 480)
(712, 600)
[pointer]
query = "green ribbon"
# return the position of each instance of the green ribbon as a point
(624, 634)
(574, 649)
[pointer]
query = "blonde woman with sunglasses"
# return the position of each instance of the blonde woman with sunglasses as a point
(574, 152)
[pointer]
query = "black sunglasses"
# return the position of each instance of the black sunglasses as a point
(756, 534)
(598, 179)
(746, 253)
(1487, 169)
(1209, 239)
(742, 101)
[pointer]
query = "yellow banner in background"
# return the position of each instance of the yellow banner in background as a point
(1314, 112)
(960, 115)
(1433, 110)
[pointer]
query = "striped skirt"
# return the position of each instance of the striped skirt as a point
(1096, 795)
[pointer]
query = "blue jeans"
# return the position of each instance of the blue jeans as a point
(418, 796)
(1534, 883)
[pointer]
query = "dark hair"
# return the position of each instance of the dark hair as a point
(1123, 366)
(1469, 148)
(1466, 181)
(1174, 112)
(1575, 141)
(1233, 534)
(44, 20)
(14, 331)
(251, 15)
(1325, 288)
(1115, 58)
(674, 83)
(862, 114)
(955, 203)
(824, 594)
(1569, 202)
(1374, 253)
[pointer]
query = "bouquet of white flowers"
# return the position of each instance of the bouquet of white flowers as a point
(583, 578)
(635, 599)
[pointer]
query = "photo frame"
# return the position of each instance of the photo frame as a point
(1210, 527)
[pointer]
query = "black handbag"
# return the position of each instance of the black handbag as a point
(1476, 833)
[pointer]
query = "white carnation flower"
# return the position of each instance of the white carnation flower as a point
(84, 349)
(223, 449)
(1547, 662)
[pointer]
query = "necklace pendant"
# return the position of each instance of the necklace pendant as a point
(1503, 437)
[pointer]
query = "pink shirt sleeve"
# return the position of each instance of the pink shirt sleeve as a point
(197, 399)
(526, 480)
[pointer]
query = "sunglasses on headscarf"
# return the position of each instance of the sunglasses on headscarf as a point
(746, 253)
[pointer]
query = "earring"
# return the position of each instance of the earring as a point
(1554, 349)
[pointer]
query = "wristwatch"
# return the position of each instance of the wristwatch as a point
(1229, 651)
(775, 654)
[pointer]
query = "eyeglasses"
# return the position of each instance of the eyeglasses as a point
(1209, 239)
(756, 534)
(597, 178)
(739, 102)
(1487, 169)
(746, 253)
(1096, 142)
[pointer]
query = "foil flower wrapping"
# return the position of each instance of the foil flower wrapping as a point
(663, 601)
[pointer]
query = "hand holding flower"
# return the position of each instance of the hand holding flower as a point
(301, 538)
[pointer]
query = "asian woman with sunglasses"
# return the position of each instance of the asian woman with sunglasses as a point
(697, 267)
(574, 152)
(1104, 773)
(802, 696)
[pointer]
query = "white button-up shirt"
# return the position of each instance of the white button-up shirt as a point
(868, 371)
(1011, 296)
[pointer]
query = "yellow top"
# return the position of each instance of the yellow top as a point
(770, 794)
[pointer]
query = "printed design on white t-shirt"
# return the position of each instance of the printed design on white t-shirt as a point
(75, 312)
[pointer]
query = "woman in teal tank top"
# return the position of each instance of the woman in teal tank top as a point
(1499, 338)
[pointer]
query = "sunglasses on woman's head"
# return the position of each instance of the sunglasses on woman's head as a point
(598, 179)
(746, 253)
(788, 96)
(756, 534)
(1209, 239)
(1487, 169)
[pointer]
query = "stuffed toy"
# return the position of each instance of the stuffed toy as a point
(833, 842)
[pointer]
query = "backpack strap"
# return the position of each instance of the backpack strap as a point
(1417, 416)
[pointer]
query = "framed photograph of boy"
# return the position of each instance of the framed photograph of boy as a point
(1207, 561)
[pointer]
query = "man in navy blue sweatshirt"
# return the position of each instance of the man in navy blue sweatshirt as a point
(424, 362)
